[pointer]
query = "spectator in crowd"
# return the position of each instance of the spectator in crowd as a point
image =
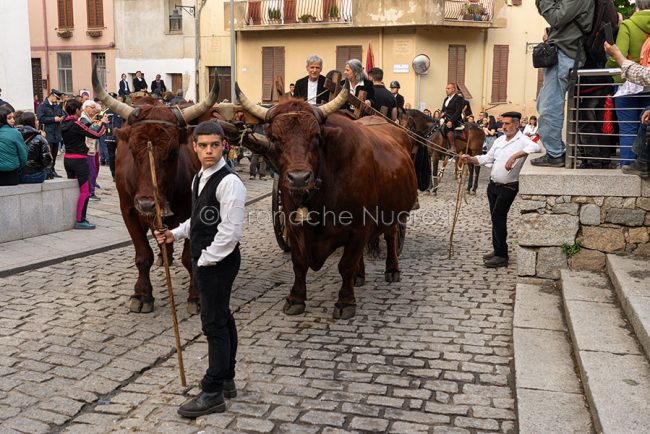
(394, 89)
(452, 109)
(88, 118)
(74, 133)
(158, 86)
(470, 119)
(407, 106)
(139, 83)
(13, 153)
(39, 157)
(215, 263)
(292, 90)
(427, 112)
(50, 115)
(311, 88)
(640, 75)
(383, 97)
(125, 90)
(568, 20)
(258, 163)
(507, 156)
(530, 130)
(490, 129)
(37, 102)
(114, 122)
(358, 80)
(436, 115)
(85, 96)
(631, 98)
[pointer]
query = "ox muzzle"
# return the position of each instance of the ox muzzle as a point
(146, 206)
(300, 180)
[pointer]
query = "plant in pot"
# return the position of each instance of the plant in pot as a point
(275, 15)
(333, 13)
(307, 18)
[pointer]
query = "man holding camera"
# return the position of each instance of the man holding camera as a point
(569, 20)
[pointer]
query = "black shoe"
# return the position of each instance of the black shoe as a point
(496, 262)
(54, 174)
(488, 256)
(229, 389)
(548, 161)
(204, 403)
(640, 168)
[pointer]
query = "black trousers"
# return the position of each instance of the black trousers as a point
(500, 198)
(214, 284)
(112, 146)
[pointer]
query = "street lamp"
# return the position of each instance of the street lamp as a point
(191, 10)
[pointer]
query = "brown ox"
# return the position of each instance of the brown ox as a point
(352, 179)
(175, 164)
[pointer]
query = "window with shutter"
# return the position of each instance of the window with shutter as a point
(456, 64)
(500, 73)
(272, 67)
(345, 53)
(540, 80)
(66, 20)
(95, 10)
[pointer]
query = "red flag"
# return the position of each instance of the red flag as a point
(370, 60)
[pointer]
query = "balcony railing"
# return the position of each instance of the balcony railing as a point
(273, 12)
(469, 10)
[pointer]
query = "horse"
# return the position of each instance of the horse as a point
(470, 142)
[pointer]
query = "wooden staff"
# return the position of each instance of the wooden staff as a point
(458, 193)
(163, 248)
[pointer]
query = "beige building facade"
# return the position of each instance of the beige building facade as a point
(67, 38)
(485, 45)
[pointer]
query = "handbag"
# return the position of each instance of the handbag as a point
(544, 55)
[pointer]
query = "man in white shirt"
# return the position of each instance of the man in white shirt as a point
(214, 230)
(507, 156)
(312, 87)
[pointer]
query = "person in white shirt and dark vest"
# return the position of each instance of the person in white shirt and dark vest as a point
(214, 229)
(507, 156)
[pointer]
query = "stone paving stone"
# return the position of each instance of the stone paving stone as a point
(323, 418)
(26, 425)
(369, 424)
(255, 425)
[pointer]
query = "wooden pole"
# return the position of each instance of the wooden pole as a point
(163, 248)
(458, 193)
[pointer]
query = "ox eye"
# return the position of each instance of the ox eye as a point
(172, 155)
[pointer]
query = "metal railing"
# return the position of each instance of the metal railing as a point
(465, 10)
(274, 12)
(590, 115)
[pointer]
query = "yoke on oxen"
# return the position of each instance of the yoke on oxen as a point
(342, 182)
(175, 165)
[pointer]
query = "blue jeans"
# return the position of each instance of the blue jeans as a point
(33, 178)
(550, 104)
(628, 112)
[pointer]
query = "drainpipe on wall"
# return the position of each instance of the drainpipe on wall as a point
(47, 50)
(197, 41)
(233, 62)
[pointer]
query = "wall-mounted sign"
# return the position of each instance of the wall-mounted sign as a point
(401, 68)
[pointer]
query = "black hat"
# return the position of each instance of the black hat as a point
(514, 115)
(57, 93)
(394, 84)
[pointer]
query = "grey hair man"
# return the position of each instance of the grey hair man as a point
(312, 87)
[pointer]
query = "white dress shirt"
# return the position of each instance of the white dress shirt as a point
(231, 195)
(312, 91)
(501, 151)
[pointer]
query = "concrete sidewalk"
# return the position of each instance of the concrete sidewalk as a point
(36, 252)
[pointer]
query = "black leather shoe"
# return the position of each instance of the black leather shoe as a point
(229, 389)
(496, 262)
(488, 256)
(640, 168)
(205, 403)
(54, 174)
(548, 161)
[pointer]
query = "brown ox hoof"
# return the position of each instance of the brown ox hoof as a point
(345, 311)
(392, 276)
(359, 280)
(193, 308)
(293, 308)
(138, 306)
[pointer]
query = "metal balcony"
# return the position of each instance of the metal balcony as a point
(252, 15)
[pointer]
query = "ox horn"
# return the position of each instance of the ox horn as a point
(332, 106)
(123, 110)
(193, 112)
(255, 109)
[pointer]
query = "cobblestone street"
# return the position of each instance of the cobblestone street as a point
(430, 354)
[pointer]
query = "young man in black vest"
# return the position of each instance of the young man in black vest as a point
(214, 230)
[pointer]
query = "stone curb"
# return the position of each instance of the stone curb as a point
(92, 251)
(631, 279)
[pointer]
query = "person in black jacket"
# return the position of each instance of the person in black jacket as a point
(359, 80)
(158, 86)
(115, 121)
(125, 90)
(50, 115)
(74, 134)
(312, 87)
(383, 97)
(399, 99)
(139, 82)
(39, 157)
(452, 111)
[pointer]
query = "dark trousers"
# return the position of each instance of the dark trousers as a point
(11, 177)
(641, 145)
(112, 146)
(215, 284)
(54, 150)
(500, 198)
